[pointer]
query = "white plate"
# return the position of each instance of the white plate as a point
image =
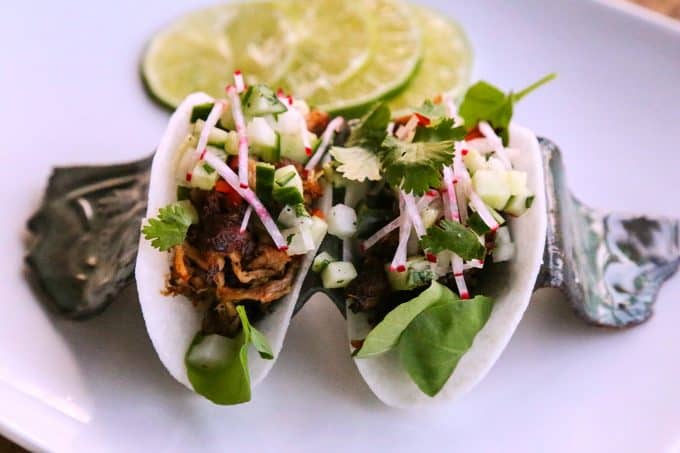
(70, 93)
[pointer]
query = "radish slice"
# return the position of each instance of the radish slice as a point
(483, 211)
(210, 122)
(333, 126)
(390, 128)
(246, 219)
(450, 196)
(424, 201)
(412, 212)
(399, 260)
(461, 179)
(474, 264)
(452, 111)
(496, 143)
(407, 131)
(238, 81)
(237, 112)
(457, 268)
(247, 194)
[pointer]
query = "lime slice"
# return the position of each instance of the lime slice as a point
(395, 50)
(446, 65)
(331, 39)
(200, 51)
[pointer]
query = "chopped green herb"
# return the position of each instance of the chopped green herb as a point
(454, 237)
(170, 227)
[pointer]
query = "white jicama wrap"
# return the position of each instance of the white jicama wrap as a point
(384, 373)
(173, 321)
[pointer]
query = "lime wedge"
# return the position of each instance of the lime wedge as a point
(200, 51)
(331, 39)
(446, 65)
(395, 50)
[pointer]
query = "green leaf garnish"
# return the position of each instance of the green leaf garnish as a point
(170, 227)
(434, 342)
(385, 335)
(439, 131)
(485, 102)
(372, 128)
(454, 237)
(415, 167)
(217, 366)
(357, 163)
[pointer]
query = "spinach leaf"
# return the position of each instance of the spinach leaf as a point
(454, 237)
(434, 342)
(485, 102)
(386, 334)
(217, 366)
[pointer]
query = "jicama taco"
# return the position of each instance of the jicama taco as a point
(443, 228)
(233, 223)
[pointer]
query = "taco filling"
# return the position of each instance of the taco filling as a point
(248, 183)
(425, 229)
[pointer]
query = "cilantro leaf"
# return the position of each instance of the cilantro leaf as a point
(439, 131)
(357, 163)
(485, 102)
(454, 237)
(171, 226)
(372, 128)
(431, 110)
(415, 167)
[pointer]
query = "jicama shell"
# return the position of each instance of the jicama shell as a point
(172, 321)
(385, 375)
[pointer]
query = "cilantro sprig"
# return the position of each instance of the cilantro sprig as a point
(170, 227)
(454, 237)
(416, 166)
(485, 102)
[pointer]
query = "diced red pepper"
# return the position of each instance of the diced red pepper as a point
(422, 120)
(473, 134)
(232, 196)
(318, 213)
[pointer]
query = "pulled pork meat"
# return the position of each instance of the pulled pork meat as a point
(218, 267)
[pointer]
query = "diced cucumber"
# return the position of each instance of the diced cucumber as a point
(518, 204)
(517, 181)
(342, 221)
(201, 111)
(300, 239)
(322, 260)
(231, 143)
(287, 186)
(494, 163)
(292, 216)
(227, 120)
(203, 177)
(477, 225)
(492, 187)
(318, 228)
(338, 274)
(259, 100)
(287, 123)
(418, 273)
(504, 248)
(183, 193)
(217, 137)
(264, 181)
(262, 140)
(474, 160)
(292, 146)
(430, 215)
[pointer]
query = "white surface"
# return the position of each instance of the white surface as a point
(385, 375)
(559, 386)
